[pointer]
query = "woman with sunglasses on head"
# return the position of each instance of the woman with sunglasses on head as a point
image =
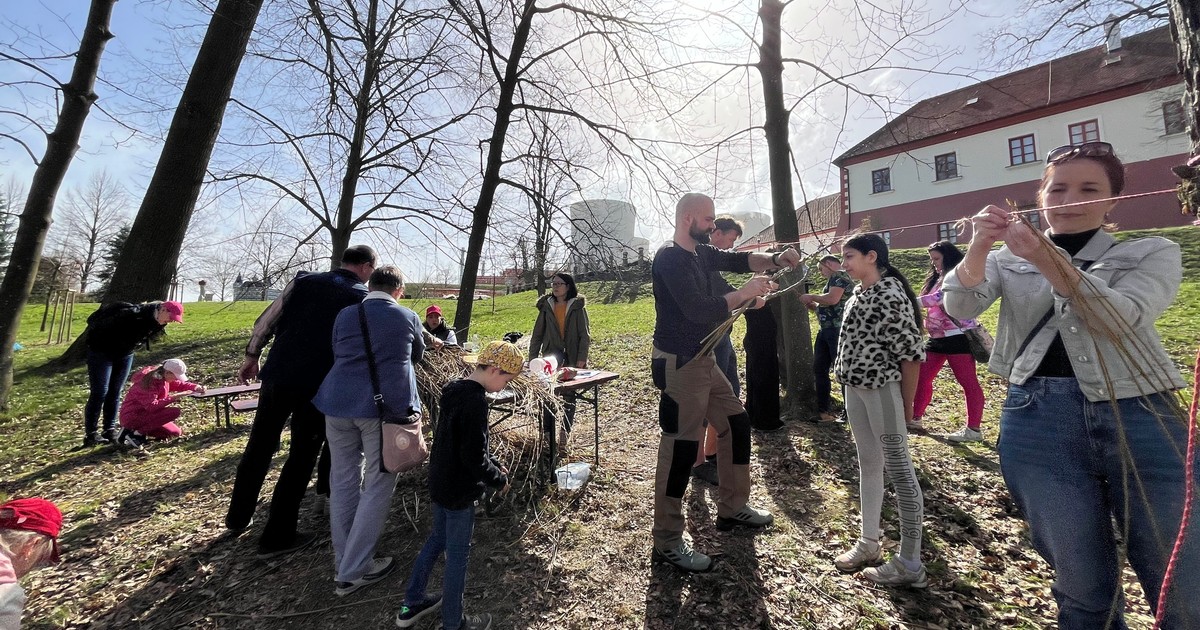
(562, 330)
(1087, 433)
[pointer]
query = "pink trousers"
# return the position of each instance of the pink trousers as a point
(158, 424)
(963, 367)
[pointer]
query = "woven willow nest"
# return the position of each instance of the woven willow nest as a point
(516, 440)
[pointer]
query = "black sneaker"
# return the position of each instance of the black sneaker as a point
(411, 613)
(109, 436)
(90, 440)
(707, 472)
(380, 568)
(299, 541)
(132, 441)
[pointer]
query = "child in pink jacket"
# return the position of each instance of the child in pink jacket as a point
(147, 411)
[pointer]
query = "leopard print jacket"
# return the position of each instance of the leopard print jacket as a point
(878, 332)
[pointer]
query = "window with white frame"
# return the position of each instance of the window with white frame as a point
(947, 232)
(887, 238)
(881, 180)
(1174, 120)
(1086, 131)
(945, 166)
(1021, 150)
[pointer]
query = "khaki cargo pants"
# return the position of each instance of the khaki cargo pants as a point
(691, 393)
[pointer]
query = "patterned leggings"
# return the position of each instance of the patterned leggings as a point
(877, 420)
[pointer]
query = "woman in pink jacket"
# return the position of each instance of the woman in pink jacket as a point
(147, 412)
(947, 344)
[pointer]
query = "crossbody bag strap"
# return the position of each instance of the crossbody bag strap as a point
(1037, 328)
(362, 322)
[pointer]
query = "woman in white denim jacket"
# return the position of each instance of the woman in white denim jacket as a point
(1073, 458)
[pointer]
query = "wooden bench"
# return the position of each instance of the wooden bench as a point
(245, 404)
(224, 399)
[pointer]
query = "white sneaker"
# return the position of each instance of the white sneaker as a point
(915, 425)
(966, 434)
(380, 568)
(894, 573)
(864, 554)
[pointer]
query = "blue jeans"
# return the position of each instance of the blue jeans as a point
(452, 534)
(106, 379)
(1073, 467)
(727, 361)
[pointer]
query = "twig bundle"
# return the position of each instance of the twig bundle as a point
(517, 439)
(713, 338)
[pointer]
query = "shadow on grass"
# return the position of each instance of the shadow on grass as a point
(198, 441)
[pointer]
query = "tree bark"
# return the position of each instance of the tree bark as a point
(61, 144)
(800, 388)
(491, 174)
(1185, 30)
(151, 253)
(344, 227)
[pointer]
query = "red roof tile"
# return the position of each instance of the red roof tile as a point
(1144, 57)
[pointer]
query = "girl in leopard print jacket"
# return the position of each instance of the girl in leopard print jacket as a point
(879, 360)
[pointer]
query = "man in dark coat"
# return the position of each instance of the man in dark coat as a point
(301, 322)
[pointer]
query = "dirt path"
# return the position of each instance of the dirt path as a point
(146, 548)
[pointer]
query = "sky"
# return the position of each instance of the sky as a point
(144, 66)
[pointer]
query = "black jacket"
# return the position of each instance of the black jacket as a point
(302, 352)
(460, 467)
(118, 329)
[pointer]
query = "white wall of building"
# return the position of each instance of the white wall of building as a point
(1134, 126)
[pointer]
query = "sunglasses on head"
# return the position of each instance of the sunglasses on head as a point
(1087, 150)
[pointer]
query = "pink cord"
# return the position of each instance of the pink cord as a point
(1190, 485)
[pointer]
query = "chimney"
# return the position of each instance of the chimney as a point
(1112, 34)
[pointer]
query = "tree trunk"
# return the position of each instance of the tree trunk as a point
(151, 252)
(340, 234)
(1185, 30)
(61, 144)
(800, 388)
(491, 173)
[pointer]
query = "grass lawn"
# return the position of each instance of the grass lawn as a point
(145, 547)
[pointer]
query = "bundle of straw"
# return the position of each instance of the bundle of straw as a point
(713, 338)
(517, 439)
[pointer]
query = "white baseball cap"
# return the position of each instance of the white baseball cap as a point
(176, 367)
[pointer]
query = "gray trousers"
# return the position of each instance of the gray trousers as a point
(360, 495)
(877, 419)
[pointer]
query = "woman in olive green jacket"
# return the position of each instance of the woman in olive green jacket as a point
(562, 331)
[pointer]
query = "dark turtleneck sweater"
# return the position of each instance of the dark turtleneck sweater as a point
(1057, 363)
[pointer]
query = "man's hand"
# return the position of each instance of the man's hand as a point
(249, 370)
(790, 258)
(757, 286)
(505, 489)
(436, 343)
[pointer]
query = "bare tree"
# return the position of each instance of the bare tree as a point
(566, 62)
(147, 265)
(61, 144)
(92, 215)
(1051, 26)
(220, 268)
(358, 149)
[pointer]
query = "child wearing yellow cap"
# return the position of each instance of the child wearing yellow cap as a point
(460, 469)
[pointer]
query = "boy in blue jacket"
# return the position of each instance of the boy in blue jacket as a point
(460, 469)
